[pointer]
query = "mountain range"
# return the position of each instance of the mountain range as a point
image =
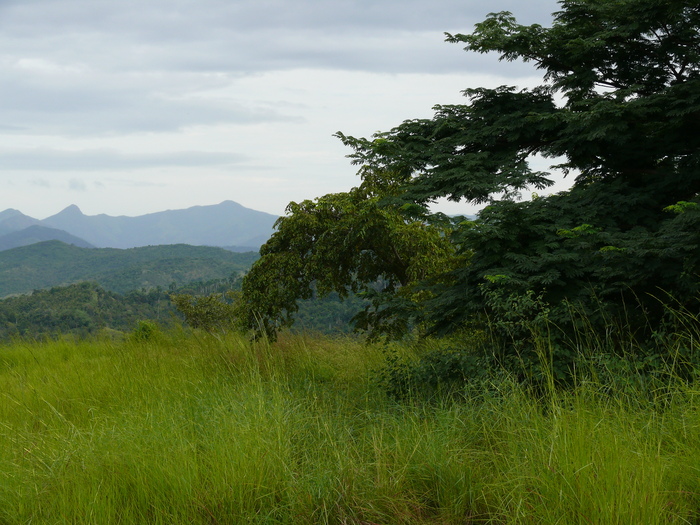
(228, 225)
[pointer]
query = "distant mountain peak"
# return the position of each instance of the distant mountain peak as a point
(71, 210)
(8, 213)
(71, 213)
(12, 220)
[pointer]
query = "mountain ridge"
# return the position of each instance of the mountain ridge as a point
(37, 233)
(227, 224)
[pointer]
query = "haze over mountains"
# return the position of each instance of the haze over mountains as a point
(228, 225)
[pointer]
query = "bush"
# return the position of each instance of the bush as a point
(212, 313)
(146, 331)
(438, 371)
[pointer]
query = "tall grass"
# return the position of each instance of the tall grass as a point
(189, 428)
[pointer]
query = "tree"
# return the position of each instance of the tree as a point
(619, 107)
(343, 243)
(618, 110)
(213, 313)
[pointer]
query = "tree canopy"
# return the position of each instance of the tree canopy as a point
(348, 243)
(618, 110)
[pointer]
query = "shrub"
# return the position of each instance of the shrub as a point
(146, 331)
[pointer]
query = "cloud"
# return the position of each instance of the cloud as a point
(77, 185)
(88, 102)
(47, 159)
(245, 35)
(115, 86)
(41, 183)
(85, 67)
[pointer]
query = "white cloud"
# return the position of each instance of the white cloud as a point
(49, 159)
(128, 107)
(77, 185)
(87, 103)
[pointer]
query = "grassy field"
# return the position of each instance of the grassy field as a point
(190, 429)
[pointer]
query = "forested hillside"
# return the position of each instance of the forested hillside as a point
(82, 310)
(54, 263)
(86, 309)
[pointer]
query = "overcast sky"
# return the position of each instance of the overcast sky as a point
(127, 107)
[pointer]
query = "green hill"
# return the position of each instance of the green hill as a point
(80, 309)
(53, 263)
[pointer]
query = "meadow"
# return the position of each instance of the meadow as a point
(185, 427)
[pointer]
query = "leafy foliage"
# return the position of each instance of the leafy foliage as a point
(214, 312)
(436, 373)
(619, 108)
(347, 243)
(81, 309)
(146, 331)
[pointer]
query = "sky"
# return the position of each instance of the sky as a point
(129, 107)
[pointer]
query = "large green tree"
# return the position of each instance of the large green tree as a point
(618, 111)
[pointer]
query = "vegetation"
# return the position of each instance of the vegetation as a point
(617, 110)
(54, 263)
(212, 313)
(544, 367)
(329, 315)
(86, 309)
(166, 427)
(80, 310)
(344, 243)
